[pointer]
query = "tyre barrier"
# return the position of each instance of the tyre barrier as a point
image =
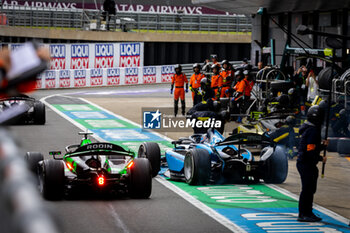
(21, 207)
(343, 146)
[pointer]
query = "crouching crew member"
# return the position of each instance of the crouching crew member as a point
(227, 78)
(216, 80)
(195, 83)
(309, 149)
(179, 79)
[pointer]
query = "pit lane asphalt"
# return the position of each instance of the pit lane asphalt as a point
(165, 211)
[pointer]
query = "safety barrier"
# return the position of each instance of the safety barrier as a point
(21, 207)
(98, 77)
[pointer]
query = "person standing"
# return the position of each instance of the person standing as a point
(216, 80)
(109, 9)
(195, 83)
(312, 85)
(227, 78)
(309, 149)
(179, 79)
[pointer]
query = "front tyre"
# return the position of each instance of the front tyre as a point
(140, 179)
(151, 151)
(197, 167)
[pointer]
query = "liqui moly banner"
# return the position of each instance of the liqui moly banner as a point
(96, 77)
(58, 59)
(80, 77)
(131, 76)
(131, 55)
(104, 55)
(64, 78)
(98, 55)
(113, 76)
(167, 73)
(80, 56)
(50, 79)
(149, 75)
(69, 78)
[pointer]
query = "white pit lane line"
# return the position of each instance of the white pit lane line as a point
(205, 209)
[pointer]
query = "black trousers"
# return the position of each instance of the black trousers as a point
(308, 174)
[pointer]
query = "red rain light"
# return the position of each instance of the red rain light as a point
(101, 180)
(130, 164)
(69, 165)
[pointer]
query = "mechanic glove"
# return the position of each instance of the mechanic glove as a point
(171, 89)
(186, 88)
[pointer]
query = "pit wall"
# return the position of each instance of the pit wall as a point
(96, 77)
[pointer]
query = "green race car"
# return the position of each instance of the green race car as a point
(94, 167)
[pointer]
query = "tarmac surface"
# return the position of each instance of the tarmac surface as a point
(165, 211)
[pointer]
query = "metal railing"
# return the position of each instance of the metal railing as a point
(94, 20)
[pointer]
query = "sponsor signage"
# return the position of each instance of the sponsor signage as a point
(149, 74)
(167, 73)
(50, 79)
(96, 77)
(58, 57)
(104, 55)
(79, 56)
(131, 76)
(113, 76)
(64, 78)
(130, 55)
(79, 78)
(187, 9)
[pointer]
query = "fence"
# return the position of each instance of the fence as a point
(93, 20)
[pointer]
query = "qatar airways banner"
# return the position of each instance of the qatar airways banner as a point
(98, 55)
(97, 77)
(159, 7)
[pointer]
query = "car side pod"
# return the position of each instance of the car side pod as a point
(175, 160)
(276, 165)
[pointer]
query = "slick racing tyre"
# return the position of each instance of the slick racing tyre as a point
(140, 179)
(325, 78)
(51, 179)
(276, 166)
(151, 151)
(343, 146)
(32, 159)
(39, 113)
(197, 167)
(333, 144)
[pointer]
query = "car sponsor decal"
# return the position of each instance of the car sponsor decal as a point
(250, 208)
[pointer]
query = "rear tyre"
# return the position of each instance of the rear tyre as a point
(276, 166)
(151, 151)
(197, 167)
(343, 146)
(32, 159)
(140, 179)
(39, 113)
(51, 179)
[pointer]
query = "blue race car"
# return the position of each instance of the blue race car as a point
(210, 158)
